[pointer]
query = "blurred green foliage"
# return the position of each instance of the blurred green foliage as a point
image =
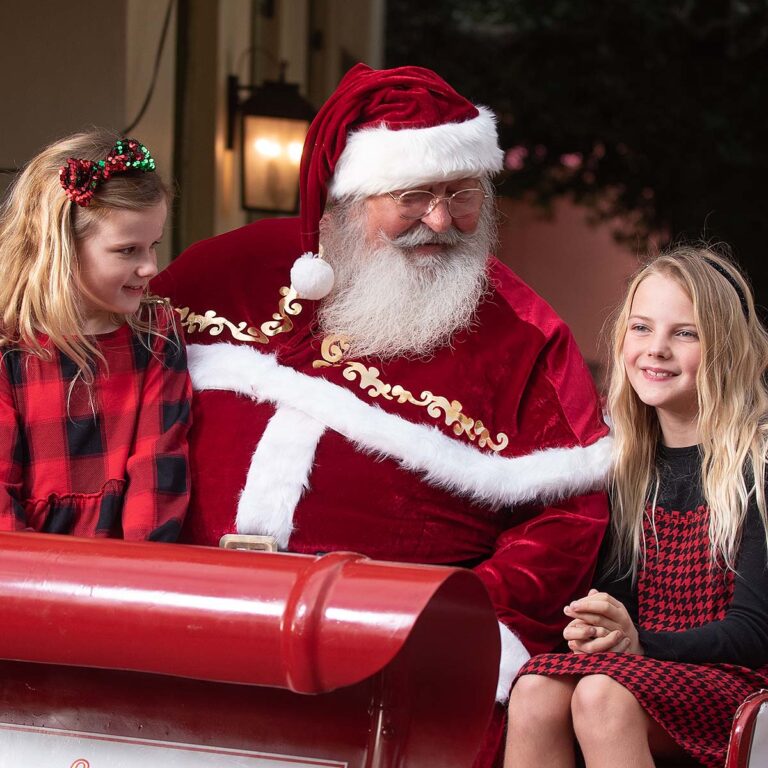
(650, 112)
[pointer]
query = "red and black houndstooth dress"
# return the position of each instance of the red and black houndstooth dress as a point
(704, 630)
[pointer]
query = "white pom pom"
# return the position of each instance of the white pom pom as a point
(311, 277)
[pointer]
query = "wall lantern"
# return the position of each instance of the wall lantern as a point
(274, 120)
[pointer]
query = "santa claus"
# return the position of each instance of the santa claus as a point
(403, 394)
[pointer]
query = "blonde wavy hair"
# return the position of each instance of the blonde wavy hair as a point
(732, 417)
(39, 232)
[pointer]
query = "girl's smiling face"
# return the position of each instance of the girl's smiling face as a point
(117, 259)
(662, 353)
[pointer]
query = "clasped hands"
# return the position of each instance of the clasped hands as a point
(600, 623)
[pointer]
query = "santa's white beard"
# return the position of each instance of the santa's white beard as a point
(390, 302)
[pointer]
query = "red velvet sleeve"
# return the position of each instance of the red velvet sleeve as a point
(541, 563)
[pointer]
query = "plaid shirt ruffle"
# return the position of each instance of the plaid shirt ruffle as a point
(106, 461)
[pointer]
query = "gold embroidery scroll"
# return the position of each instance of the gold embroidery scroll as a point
(214, 324)
(333, 349)
(287, 307)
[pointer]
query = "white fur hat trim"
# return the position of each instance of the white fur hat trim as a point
(378, 160)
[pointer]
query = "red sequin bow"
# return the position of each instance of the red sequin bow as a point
(80, 178)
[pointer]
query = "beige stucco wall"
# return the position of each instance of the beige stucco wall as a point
(234, 42)
(63, 70)
(72, 65)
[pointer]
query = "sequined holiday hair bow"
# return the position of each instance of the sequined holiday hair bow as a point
(80, 178)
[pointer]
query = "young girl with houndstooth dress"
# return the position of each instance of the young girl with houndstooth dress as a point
(675, 634)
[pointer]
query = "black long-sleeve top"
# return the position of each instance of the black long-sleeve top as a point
(741, 637)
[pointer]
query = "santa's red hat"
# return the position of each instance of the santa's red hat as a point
(383, 130)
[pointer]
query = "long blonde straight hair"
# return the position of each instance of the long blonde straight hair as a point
(732, 417)
(39, 232)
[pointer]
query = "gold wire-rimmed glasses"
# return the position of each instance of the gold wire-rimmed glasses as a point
(418, 203)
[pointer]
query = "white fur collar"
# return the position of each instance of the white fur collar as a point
(443, 461)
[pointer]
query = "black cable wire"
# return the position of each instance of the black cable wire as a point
(153, 82)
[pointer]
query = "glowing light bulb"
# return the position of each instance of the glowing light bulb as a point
(267, 147)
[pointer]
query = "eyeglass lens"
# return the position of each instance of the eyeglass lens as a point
(418, 203)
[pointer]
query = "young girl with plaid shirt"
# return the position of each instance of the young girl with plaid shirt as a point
(675, 637)
(94, 389)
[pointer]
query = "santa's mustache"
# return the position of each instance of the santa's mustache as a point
(423, 235)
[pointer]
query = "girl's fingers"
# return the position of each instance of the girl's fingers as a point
(583, 632)
(578, 630)
(610, 641)
(624, 644)
(597, 604)
(599, 609)
(594, 619)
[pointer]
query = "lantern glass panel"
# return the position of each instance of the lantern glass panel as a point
(271, 156)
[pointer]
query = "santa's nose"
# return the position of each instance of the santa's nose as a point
(438, 219)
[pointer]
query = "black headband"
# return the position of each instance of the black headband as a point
(732, 280)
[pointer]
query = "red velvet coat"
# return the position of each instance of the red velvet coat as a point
(488, 455)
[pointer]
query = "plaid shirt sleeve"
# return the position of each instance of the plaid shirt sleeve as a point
(157, 494)
(12, 516)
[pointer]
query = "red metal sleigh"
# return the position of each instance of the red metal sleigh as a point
(120, 654)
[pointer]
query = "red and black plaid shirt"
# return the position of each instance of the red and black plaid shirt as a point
(108, 460)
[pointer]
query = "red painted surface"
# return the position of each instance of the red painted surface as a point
(217, 647)
(744, 722)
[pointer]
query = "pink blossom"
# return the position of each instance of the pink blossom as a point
(571, 160)
(514, 160)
